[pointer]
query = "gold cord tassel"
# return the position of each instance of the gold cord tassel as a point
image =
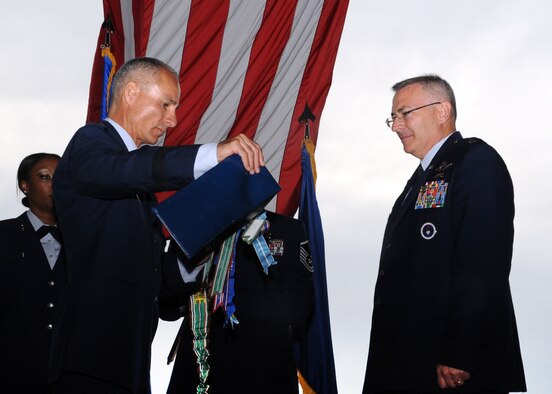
(304, 385)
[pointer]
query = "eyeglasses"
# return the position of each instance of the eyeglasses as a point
(405, 114)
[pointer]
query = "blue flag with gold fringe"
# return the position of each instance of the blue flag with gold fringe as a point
(316, 360)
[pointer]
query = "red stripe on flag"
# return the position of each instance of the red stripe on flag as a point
(198, 71)
(143, 15)
(270, 41)
(314, 89)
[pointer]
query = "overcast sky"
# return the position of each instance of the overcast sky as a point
(497, 55)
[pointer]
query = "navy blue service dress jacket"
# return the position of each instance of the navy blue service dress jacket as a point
(256, 356)
(114, 247)
(28, 302)
(442, 294)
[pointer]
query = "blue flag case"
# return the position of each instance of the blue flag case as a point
(219, 200)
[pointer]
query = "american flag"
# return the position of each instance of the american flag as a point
(245, 66)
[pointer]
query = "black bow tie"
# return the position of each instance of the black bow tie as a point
(42, 231)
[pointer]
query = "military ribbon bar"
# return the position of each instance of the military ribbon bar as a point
(253, 235)
(432, 195)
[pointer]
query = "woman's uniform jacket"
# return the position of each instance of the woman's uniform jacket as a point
(29, 297)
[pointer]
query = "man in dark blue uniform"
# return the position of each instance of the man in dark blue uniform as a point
(443, 315)
(104, 189)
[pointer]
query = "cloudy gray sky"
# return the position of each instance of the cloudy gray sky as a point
(497, 56)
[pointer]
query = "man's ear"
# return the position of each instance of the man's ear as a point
(130, 92)
(445, 111)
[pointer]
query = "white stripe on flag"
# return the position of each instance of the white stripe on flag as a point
(274, 125)
(128, 29)
(168, 31)
(244, 21)
(167, 35)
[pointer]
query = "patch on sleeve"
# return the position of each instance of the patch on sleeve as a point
(305, 256)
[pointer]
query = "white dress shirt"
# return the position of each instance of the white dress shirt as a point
(51, 246)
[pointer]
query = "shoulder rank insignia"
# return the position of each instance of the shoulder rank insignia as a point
(305, 256)
(432, 195)
(443, 166)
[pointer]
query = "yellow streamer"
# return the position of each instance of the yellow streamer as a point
(107, 52)
(309, 145)
(307, 389)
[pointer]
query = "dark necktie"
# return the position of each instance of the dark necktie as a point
(42, 231)
(418, 174)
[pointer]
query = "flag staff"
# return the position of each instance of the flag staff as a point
(305, 117)
(108, 26)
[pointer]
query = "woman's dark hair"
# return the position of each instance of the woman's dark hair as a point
(24, 170)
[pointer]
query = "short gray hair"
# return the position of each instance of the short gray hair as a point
(433, 83)
(146, 65)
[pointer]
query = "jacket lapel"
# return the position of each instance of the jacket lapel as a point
(110, 130)
(400, 210)
(29, 243)
(404, 202)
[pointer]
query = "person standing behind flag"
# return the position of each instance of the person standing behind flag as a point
(443, 316)
(104, 189)
(33, 272)
(254, 355)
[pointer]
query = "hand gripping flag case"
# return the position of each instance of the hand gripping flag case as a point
(219, 200)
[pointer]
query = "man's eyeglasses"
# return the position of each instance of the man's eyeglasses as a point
(405, 114)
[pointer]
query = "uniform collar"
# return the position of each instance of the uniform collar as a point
(35, 221)
(426, 161)
(129, 143)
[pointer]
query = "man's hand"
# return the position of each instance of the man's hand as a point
(249, 151)
(448, 377)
